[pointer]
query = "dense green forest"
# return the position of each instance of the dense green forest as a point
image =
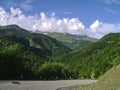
(22, 53)
(17, 60)
(27, 55)
(54, 70)
(94, 60)
(43, 44)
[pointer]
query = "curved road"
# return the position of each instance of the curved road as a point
(42, 85)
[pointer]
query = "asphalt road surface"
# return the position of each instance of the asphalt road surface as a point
(41, 85)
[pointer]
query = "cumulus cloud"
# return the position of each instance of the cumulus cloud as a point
(99, 29)
(42, 22)
(95, 25)
(45, 23)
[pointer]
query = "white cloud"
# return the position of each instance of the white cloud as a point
(95, 25)
(15, 12)
(112, 1)
(111, 11)
(99, 29)
(43, 22)
(50, 23)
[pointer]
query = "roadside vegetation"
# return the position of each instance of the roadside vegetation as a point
(109, 81)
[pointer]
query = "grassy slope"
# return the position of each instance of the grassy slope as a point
(109, 81)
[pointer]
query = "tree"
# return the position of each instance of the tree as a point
(54, 70)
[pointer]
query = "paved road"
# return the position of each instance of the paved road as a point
(42, 85)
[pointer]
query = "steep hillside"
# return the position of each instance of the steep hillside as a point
(23, 53)
(94, 60)
(17, 59)
(109, 81)
(43, 44)
(75, 42)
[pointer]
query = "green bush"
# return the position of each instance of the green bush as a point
(54, 70)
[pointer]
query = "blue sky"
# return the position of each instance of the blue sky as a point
(87, 12)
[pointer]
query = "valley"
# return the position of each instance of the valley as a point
(26, 55)
(59, 44)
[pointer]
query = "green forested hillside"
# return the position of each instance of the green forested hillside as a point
(94, 60)
(25, 55)
(22, 53)
(75, 42)
(43, 44)
(17, 59)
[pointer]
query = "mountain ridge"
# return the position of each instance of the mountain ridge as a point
(94, 60)
(22, 53)
(39, 41)
(75, 42)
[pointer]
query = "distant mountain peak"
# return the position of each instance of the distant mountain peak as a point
(11, 26)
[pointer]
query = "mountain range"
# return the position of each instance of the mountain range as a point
(74, 42)
(28, 55)
(23, 52)
(42, 44)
